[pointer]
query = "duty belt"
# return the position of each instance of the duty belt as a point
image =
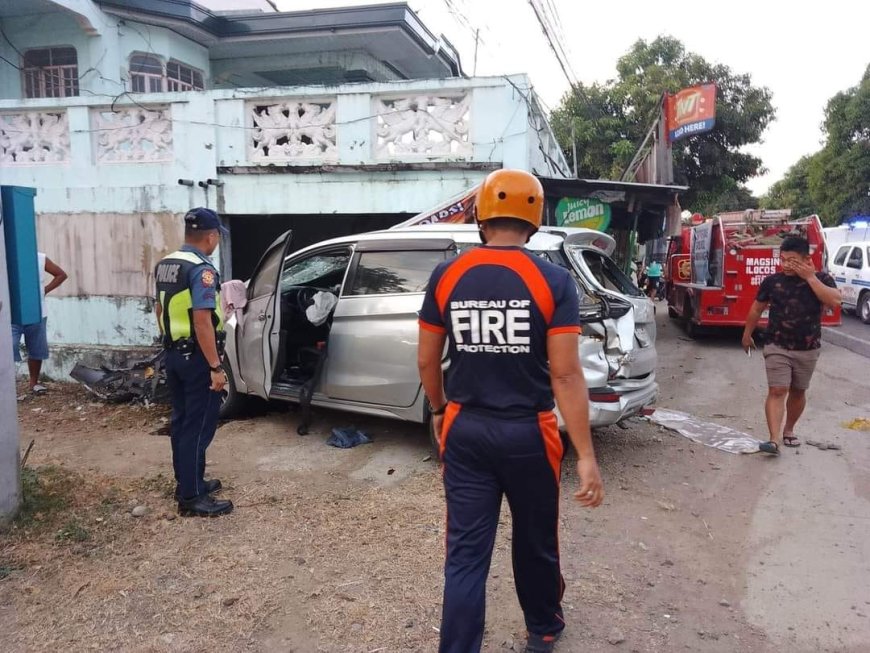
(186, 346)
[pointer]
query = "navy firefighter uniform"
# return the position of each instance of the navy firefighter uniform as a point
(500, 436)
(187, 282)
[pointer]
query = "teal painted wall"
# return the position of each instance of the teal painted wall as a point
(103, 59)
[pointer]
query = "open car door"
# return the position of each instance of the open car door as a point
(260, 323)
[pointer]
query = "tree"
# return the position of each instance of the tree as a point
(610, 120)
(792, 192)
(834, 182)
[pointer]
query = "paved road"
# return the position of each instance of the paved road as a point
(796, 528)
(853, 334)
(855, 327)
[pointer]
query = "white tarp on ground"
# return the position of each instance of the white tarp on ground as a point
(706, 433)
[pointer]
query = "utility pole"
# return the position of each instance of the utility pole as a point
(574, 149)
(10, 488)
(476, 43)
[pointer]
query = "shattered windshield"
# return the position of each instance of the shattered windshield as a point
(321, 270)
(605, 271)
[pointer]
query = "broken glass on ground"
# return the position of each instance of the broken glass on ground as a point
(709, 434)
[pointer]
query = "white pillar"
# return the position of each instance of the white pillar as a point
(10, 486)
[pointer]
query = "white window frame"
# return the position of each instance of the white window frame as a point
(176, 84)
(166, 83)
(67, 75)
(148, 78)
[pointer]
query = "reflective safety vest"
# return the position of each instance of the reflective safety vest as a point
(176, 299)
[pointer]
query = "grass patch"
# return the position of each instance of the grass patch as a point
(73, 531)
(7, 570)
(159, 484)
(45, 491)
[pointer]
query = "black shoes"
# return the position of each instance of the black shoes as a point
(211, 486)
(542, 643)
(204, 506)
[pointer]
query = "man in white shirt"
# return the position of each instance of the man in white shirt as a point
(36, 335)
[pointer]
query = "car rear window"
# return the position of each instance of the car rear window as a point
(388, 273)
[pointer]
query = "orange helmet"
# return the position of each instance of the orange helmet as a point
(511, 194)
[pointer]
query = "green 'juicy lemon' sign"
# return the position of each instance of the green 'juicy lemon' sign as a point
(588, 213)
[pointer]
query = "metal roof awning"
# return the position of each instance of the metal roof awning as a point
(371, 27)
(612, 191)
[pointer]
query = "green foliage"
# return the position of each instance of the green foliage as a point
(834, 182)
(44, 491)
(610, 120)
(7, 570)
(73, 531)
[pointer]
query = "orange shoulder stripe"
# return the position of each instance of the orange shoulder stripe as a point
(555, 331)
(428, 326)
(510, 259)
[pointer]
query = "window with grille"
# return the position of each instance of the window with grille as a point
(183, 78)
(149, 75)
(146, 74)
(50, 72)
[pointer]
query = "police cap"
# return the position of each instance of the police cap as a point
(202, 219)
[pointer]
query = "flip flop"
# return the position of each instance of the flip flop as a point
(791, 441)
(769, 447)
(39, 389)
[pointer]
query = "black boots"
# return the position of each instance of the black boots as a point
(204, 506)
(211, 486)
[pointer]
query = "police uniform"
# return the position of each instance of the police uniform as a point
(187, 281)
(497, 305)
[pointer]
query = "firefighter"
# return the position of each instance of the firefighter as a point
(512, 323)
(191, 326)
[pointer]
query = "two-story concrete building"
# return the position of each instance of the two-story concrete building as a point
(125, 114)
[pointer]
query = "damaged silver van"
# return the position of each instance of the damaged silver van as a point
(335, 324)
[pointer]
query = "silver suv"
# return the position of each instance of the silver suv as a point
(360, 353)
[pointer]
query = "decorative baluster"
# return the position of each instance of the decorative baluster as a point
(292, 131)
(31, 137)
(433, 126)
(134, 135)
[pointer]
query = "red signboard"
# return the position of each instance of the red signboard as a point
(691, 111)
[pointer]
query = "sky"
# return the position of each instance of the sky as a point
(804, 56)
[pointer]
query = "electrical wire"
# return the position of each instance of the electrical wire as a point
(564, 64)
(530, 104)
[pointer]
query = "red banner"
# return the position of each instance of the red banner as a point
(691, 111)
(457, 211)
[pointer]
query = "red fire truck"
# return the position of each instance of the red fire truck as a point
(714, 268)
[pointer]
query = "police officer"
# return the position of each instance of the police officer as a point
(192, 330)
(512, 323)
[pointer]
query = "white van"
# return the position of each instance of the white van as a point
(851, 271)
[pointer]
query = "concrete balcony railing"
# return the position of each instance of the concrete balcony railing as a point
(153, 139)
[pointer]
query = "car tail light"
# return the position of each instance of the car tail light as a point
(617, 308)
(605, 397)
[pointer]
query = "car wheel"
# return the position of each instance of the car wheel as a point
(864, 307)
(232, 402)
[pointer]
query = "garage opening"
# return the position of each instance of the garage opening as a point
(250, 235)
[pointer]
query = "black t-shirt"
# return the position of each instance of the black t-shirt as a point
(498, 305)
(795, 319)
